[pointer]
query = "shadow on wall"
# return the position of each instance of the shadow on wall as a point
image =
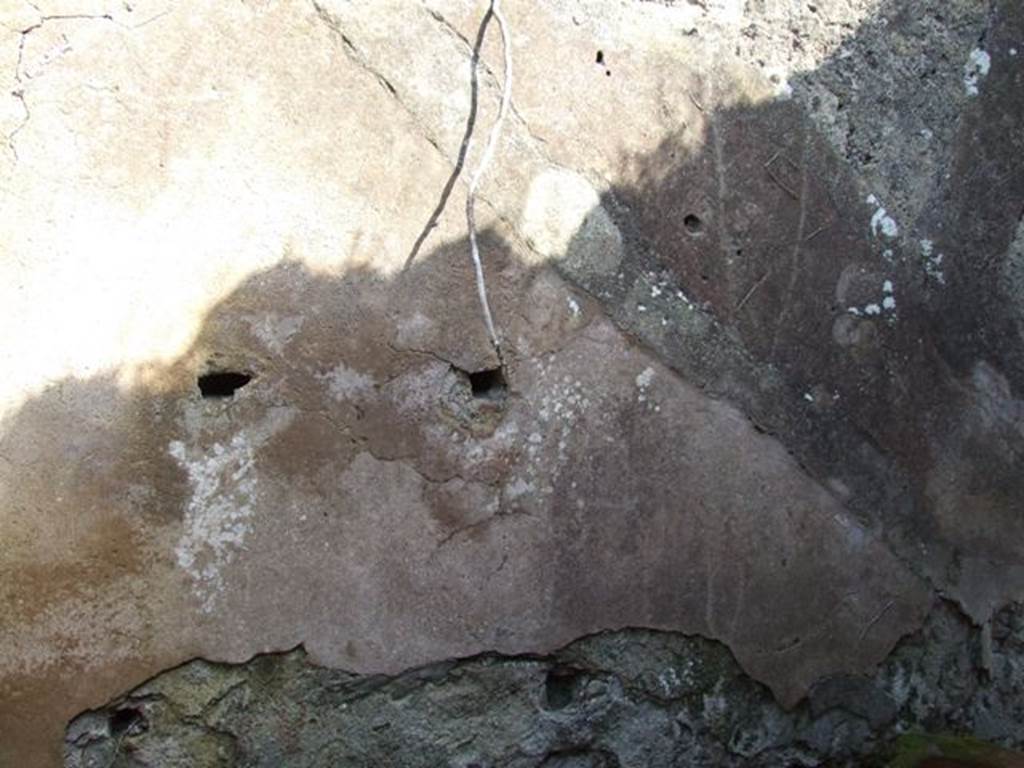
(101, 520)
(855, 304)
(752, 266)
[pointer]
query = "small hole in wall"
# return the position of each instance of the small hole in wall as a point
(489, 384)
(127, 720)
(560, 688)
(693, 223)
(599, 59)
(222, 383)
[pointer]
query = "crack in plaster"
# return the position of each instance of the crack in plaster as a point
(20, 76)
(493, 83)
(356, 56)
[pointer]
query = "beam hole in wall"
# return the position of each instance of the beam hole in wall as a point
(477, 400)
(126, 720)
(222, 384)
(489, 384)
(560, 687)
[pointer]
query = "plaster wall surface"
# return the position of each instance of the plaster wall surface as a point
(756, 271)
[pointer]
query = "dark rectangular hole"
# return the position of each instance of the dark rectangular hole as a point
(488, 384)
(222, 383)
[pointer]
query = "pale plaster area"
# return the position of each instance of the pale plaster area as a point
(146, 127)
(168, 157)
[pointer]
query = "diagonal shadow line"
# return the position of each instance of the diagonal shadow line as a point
(464, 148)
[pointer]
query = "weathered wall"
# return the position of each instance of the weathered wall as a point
(754, 265)
(632, 697)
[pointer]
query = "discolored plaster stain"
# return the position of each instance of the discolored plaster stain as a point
(109, 550)
(84, 537)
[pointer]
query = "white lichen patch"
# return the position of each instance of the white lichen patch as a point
(275, 331)
(885, 306)
(888, 301)
(932, 262)
(979, 62)
(881, 221)
(517, 488)
(218, 516)
(415, 331)
(645, 377)
(561, 405)
(345, 383)
(670, 682)
(660, 287)
(474, 451)
(643, 383)
(564, 401)
(656, 300)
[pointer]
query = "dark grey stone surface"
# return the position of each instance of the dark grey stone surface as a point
(630, 698)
